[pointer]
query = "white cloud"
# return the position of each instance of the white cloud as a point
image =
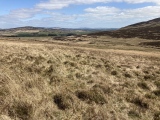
(142, 1)
(152, 11)
(23, 13)
(102, 10)
(103, 16)
(113, 17)
(54, 4)
(59, 4)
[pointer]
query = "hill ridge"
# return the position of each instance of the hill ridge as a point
(146, 30)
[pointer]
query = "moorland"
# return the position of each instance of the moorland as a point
(91, 76)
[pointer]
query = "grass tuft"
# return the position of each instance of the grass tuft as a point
(143, 85)
(157, 116)
(140, 102)
(114, 73)
(148, 77)
(150, 96)
(106, 89)
(91, 96)
(3, 92)
(157, 83)
(21, 110)
(133, 114)
(127, 75)
(157, 93)
(63, 101)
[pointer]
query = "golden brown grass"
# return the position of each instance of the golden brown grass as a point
(52, 82)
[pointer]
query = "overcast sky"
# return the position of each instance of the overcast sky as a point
(76, 13)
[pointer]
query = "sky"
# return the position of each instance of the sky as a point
(76, 13)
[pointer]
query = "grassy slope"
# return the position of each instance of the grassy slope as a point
(46, 82)
(146, 30)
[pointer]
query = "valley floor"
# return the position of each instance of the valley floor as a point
(78, 80)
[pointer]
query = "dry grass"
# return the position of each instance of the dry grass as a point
(50, 82)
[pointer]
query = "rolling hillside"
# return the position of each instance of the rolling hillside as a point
(79, 77)
(30, 31)
(146, 30)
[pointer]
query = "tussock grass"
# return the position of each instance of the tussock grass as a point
(157, 116)
(114, 73)
(134, 114)
(50, 82)
(127, 75)
(157, 93)
(105, 88)
(140, 102)
(63, 101)
(21, 110)
(91, 96)
(143, 85)
(157, 83)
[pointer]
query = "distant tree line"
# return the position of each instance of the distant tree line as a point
(41, 34)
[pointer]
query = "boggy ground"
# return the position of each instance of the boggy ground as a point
(44, 81)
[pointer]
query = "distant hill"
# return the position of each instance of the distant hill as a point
(146, 30)
(29, 31)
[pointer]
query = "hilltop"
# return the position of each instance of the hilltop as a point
(146, 30)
